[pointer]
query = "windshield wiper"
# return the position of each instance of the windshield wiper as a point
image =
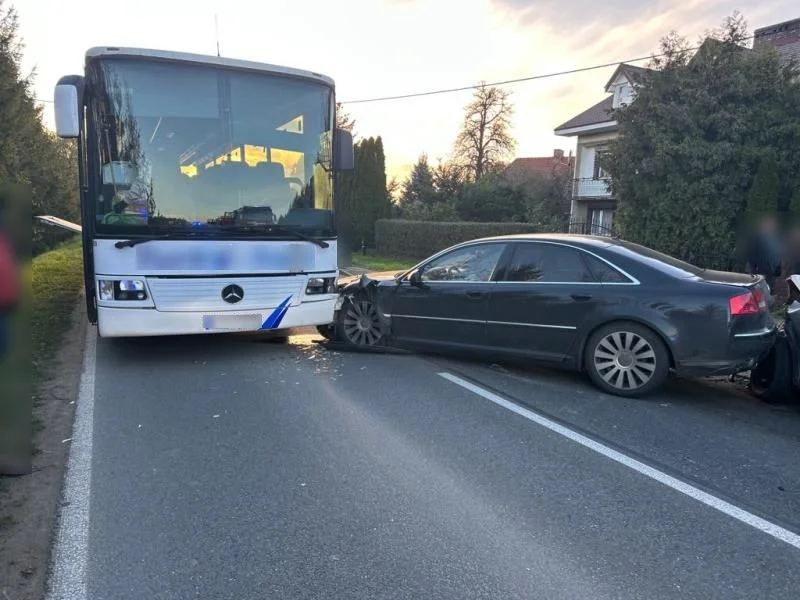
(136, 241)
(278, 229)
(170, 235)
(232, 229)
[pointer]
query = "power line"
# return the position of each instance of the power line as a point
(518, 80)
(494, 83)
(499, 83)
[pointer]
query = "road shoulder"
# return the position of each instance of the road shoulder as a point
(29, 503)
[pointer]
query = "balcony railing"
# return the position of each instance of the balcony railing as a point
(588, 228)
(592, 188)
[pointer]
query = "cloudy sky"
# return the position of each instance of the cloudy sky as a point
(387, 47)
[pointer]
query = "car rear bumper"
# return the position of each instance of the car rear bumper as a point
(138, 322)
(741, 354)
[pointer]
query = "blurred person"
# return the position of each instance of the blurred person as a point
(765, 251)
(792, 262)
(14, 456)
(9, 289)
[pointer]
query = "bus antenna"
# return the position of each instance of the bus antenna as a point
(216, 31)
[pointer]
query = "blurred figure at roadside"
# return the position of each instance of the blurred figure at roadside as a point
(791, 258)
(765, 251)
(9, 289)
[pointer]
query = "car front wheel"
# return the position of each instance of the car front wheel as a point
(328, 332)
(626, 359)
(359, 323)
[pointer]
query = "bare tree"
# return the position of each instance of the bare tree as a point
(393, 188)
(674, 51)
(344, 120)
(485, 139)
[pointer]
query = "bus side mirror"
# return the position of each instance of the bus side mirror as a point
(69, 91)
(344, 154)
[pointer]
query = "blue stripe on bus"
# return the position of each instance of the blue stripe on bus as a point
(276, 316)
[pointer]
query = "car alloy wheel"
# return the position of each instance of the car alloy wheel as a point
(360, 323)
(625, 360)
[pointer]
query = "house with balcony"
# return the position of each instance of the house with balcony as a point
(593, 203)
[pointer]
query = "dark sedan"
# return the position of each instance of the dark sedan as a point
(623, 313)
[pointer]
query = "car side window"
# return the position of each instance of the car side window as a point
(548, 263)
(470, 263)
(604, 272)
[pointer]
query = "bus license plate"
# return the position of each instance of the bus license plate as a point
(232, 322)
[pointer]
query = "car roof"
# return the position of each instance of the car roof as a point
(594, 241)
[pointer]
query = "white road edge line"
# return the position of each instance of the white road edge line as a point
(719, 504)
(70, 553)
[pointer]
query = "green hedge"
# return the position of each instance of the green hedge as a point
(419, 239)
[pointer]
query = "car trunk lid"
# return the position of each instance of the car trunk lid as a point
(729, 278)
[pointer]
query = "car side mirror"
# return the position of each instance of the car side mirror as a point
(794, 288)
(415, 279)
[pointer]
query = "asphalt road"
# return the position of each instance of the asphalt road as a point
(227, 468)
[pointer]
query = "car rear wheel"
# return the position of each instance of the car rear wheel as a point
(626, 359)
(359, 323)
(771, 379)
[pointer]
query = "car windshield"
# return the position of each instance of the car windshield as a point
(182, 146)
(663, 262)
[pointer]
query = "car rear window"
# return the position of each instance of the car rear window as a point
(603, 272)
(658, 260)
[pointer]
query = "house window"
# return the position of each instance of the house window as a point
(599, 156)
(624, 94)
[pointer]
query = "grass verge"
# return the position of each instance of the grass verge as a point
(56, 279)
(376, 262)
(42, 366)
(51, 284)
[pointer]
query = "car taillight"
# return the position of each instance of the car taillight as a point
(751, 303)
(761, 298)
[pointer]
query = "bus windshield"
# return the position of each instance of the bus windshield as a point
(176, 146)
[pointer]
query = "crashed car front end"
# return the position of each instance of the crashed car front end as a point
(361, 304)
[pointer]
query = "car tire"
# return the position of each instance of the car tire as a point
(358, 323)
(626, 359)
(771, 379)
(329, 332)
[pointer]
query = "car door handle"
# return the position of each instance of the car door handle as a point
(475, 295)
(580, 297)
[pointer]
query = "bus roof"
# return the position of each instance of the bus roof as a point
(186, 57)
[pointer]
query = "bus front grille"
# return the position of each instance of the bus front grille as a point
(205, 294)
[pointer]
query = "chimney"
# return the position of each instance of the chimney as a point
(559, 154)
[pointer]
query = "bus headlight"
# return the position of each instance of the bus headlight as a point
(105, 289)
(131, 285)
(129, 289)
(122, 289)
(320, 285)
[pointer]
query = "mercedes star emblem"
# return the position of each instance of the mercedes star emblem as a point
(232, 294)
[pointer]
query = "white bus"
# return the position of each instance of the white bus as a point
(207, 192)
